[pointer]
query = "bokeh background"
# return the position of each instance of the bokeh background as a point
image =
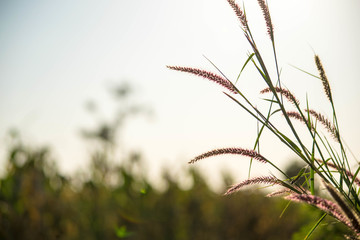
(89, 77)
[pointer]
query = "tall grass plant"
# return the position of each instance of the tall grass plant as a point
(332, 183)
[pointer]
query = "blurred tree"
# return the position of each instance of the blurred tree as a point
(107, 131)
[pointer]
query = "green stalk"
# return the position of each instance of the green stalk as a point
(312, 173)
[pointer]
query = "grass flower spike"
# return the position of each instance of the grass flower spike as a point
(257, 180)
(327, 124)
(321, 203)
(323, 78)
(351, 215)
(286, 93)
(280, 192)
(237, 151)
(239, 13)
(265, 9)
(296, 115)
(208, 75)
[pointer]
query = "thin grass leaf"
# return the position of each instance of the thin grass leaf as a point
(270, 100)
(284, 210)
(315, 226)
(305, 72)
(355, 178)
(275, 111)
(263, 75)
(298, 176)
(243, 67)
(276, 132)
(216, 68)
(291, 143)
(312, 173)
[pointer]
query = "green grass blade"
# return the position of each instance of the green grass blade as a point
(270, 100)
(263, 75)
(312, 172)
(286, 207)
(299, 175)
(291, 143)
(242, 69)
(216, 68)
(354, 177)
(305, 72)
(276, 111)
(315, 226)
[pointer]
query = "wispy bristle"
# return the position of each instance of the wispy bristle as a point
(323, 204)
(239, 13)
(351, 237)
(237, 151)
(286, 93)
(326, 123)
(257, 180)
(323, 77)
(208, 75)
(266, 13)
(295, 115)
(280, 192)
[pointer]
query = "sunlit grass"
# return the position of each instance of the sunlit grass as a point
(327, 168)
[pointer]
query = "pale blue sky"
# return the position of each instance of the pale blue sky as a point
(55, 55)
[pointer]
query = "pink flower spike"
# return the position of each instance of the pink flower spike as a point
(208, 75)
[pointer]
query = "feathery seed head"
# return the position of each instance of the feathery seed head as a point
(323, 78)
(257, 180)
(286, 93)
(280, 192)
(208, 75)
(351, 215)
(239, 13)
(238, 151)
(295, 115)
(321, 203)
(265, 9)
(326, 123)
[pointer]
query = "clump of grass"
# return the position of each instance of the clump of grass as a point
(326, 158)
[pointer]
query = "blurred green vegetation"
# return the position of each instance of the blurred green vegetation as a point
(113, 200)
